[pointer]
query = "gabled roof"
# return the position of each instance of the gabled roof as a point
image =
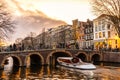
(27, 38)
(101, 16)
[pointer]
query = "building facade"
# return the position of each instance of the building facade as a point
(88, 34)
(58, 37)
(81, 40)
(84, 34)
(105, 35)
(98, 34)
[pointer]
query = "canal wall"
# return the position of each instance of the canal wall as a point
(111, 57)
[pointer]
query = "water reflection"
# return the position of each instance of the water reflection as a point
(59, 73)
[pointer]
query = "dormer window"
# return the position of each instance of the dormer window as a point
(108, 26)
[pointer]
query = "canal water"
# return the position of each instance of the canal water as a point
(59, 73)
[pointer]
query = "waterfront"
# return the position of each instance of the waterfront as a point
(59, 73)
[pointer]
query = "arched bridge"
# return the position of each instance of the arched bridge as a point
(49, 56)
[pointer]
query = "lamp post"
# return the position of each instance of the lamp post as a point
(105, 43)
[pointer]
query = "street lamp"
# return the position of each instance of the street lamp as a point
(105, 43)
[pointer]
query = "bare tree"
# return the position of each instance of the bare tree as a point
(110, 8)
(18, 40)
(6, 24)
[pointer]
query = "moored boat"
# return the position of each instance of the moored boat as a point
(75, 63)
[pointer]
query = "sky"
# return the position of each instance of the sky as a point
(65, 10)
(34, 15)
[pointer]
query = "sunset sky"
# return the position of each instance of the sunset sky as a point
(33, 15)
(65, 10)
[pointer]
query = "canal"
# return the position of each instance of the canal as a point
(57, 72)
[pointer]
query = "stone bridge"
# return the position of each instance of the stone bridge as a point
(49, 56)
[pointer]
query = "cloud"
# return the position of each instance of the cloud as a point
(30, 19)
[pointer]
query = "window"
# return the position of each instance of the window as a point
(103, 34)
(88, 36)
(100, 35)
(115, 41)
(85, 30)
(95, 28)
(91, 29)
(96, 35)
(108, 26)
(103, 24)
(99, 28)
(109, 34)
(91, 35)
(103, 27)
(83, 37)
(99, 25)
(99, 22)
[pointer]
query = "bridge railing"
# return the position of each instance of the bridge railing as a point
(59, 49)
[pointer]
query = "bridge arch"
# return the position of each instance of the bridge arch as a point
(96, 57)
(16, 60)
(82, 55)
(34, 57)
(57, 54)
